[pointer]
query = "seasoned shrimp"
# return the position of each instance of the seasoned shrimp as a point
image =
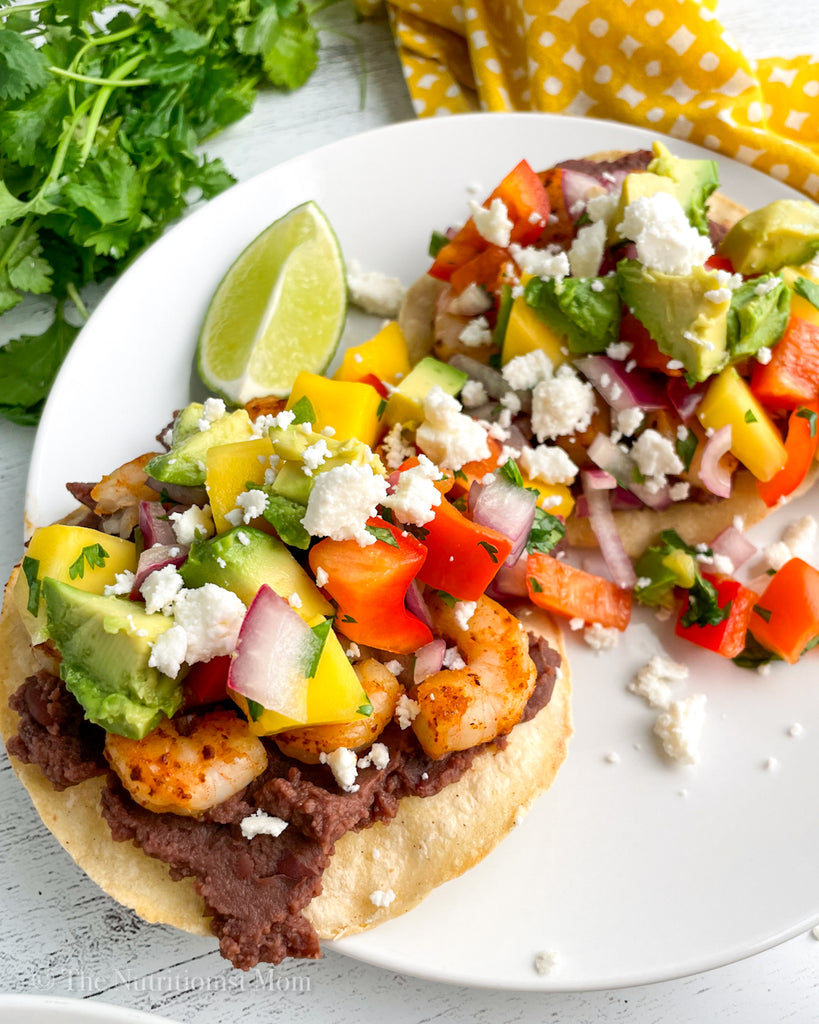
(308, 743)
(460, 708)
(451, 317)
(190, 765)
(119, 493)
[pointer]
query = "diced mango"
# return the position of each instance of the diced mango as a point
(58, 552)
(386, 356)
(334, 694)
(554, 498)
(351, 409)
(800, 306)
(755, 441)
(229, 469)
(525, 332)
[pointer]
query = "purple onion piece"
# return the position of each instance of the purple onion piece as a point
(506, 508)
(621, 388)
(732, 544)
(608, 456)
(154, 524)
(157, 557)
(416, 604)
(605, 530)
(429, 659)
(509, 581)
(684, 400)
(577, 188)
(713, 475)
(621, 501)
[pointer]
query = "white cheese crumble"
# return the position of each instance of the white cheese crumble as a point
(601, 638)
(406, 710)
(463, 612)
(415, 495)
(473, 394)
(797, 542)
(492, 222)
(619, 350)
(679, 492)
(522, 373)
(249, 506)
(540, 262)
(160, 589)
(295, 600)
(213, 409)
(342, 500)
(262, 824)
(168, 651)
(587, 248)
(447, 435)
(680, 726)
(373, 291)
(452, 659)
(315, 455)
(211, 618)
(629, 420)
(655, 456)
(342, 763)
(396, 449)
(665, 239)
(473, 299)
(193, 524)
(562, 405)
(767, 286)
(548, 463)
(546, 961)
(321, 577)
(122, 586)
(653, 681)
(382, 897)
(378, 756)
(477, 332)
(764, 355)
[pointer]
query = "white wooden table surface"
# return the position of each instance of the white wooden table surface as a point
(60, 935)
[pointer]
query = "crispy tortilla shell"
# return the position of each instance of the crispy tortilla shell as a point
(430, 840)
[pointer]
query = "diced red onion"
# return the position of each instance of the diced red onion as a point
(607, 455)
(621, 501)
(273, 654)
(713, 475)
(577, 188)
(179, 493)
(416, 604)
(604, 529)
(621, 388)
(504, 507)
(429, 659)
(684, 399)
(599, 480)
(509, 581)
(154, 523)
(732, 544)
(157, 557)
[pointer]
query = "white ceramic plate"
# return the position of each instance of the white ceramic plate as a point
(54, 1010)
(633, 870)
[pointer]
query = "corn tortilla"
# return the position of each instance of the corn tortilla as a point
(430, 841)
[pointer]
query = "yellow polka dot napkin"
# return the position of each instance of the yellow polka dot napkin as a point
(662, 64)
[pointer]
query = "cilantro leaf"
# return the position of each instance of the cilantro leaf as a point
(28, 365)
(303, 411)
(546, 533)
(282, 35)
(22, 66)
(31, 571)
(94, 554)
(807, 289)
(383, 534)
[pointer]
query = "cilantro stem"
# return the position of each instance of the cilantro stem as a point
(74, 295)
(24, 8)
(118, 77)
(91, 80)
(16, 239)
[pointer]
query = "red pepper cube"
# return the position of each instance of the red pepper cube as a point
(563, 589)
(727, 637)
(786, 617)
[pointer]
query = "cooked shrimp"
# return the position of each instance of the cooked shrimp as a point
(450, 321)
(190, 765)
(308, 743)
(126, 486)
(460, 708)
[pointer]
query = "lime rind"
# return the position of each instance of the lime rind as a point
(281, 308)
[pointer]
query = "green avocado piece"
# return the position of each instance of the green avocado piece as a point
(691, 182)
(784, 232)
(185, 462)
(186, 423)
(678, 313)
(584, 309)
(244, 558)
(758, 316)
(105, 644)
(406, 403)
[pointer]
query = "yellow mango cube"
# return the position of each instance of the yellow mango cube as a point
(229, 469)
(525, 332)
(755, 441)
(385, 355)
(334, 694)
(554, 498)
(58, 551)
(800, 306)
(351, 409)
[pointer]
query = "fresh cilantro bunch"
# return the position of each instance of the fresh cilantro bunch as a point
(101, 111)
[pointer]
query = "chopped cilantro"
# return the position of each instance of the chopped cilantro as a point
(808, 290)
(460, 475)
(763, 613)
(535, 585)
(810, 416)
(437, 242)
(383, 534)
(382, 405)
(448, 599)
(321, 631)
(749, 416)
(685, 448)
(285, 516)
(546, 533)
(491, 550)
(303, 411)
(348, 618)
(365, 709)
(94, 554)
(254, 710)
(31, 569)
(510, 471)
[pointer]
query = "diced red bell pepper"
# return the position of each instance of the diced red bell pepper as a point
(800, 448)
(561, 588)
(644, 349)
(717, 262)
(791, 378)
(560, 229)
(486, 269)
(786, 617)
(374, 382)
(369, 585)
(206, 682)
(472, 472)
(462, 557)
(527, 207)
(727, 637)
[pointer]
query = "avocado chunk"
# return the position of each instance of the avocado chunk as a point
(784, 232)
(584, 310)
(105, 643)
(691, 182)
(244, 558)
(406, 403)
(185, 462)
(758, 316)
(681, 312)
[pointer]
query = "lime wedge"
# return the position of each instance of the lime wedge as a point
(279, 309)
